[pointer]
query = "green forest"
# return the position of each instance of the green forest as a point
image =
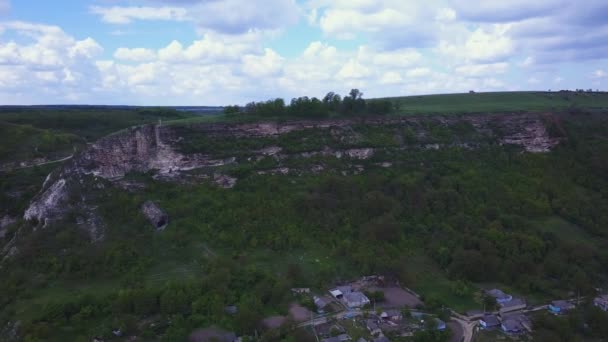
(443, 222)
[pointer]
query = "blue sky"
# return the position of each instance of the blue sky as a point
(215, 52)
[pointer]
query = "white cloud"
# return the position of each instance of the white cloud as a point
(477, 70)
(353, 70)
(135, 55)
(226, 16)
(391, 77)
(125, 15)
(483, 44)
(533, 81)
(47, 61)
(418, 72)
(599, 73)
(269, 64)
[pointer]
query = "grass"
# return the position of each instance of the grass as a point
(565, 230)
(498, 102)
(23, 142)
(432, 283)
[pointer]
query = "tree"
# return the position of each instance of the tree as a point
(230, 110)
(332, 101)
(353, 103)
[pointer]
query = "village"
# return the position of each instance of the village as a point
(374, 309)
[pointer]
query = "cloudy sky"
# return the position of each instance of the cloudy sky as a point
(214, 52)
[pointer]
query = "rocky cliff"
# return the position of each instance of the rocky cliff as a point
(156, 149)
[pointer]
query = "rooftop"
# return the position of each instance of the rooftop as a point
(491, 320)
(513, 302)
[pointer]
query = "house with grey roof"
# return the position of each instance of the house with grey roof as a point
(489, 322)
(355, 299)
(500, 296)
(512, 305)
(373, 327)
(516, 324)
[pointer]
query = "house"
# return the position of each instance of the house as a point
(355, 299)
(601, 302)
(489, 322)
(512, 326)
(393, 315)
(336, 293)
(559, 307)
(339, 338)
(321, 303)
(373, 327)
(340, 291)
(516, 324)
(512, 305)
(500, 296)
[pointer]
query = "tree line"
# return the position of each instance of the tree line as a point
(352, 104)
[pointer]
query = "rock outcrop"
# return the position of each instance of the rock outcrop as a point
(155, 215)
(152, 148)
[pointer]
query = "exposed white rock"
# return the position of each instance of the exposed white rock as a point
(48, 202)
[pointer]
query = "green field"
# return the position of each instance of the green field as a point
(502, 102)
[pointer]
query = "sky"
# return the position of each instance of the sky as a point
(218, 52)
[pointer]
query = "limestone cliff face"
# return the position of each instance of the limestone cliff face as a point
(153, 148)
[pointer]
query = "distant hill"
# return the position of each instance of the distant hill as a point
(499, 102)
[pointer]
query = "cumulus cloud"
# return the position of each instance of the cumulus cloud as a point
(268, 64)
(135, 55)
(126, 15)
(49, 60)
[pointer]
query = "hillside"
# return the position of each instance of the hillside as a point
(245, 209)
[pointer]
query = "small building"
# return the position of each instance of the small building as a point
(340, 291)
(355, 299)
(515, 324)
(321, 303)
(393, 315)
(512, 305)
(559, 307)
(500, 296)
(336, 293)
(512, 327)
(373, 327)
(601, 302)
(489, 322)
